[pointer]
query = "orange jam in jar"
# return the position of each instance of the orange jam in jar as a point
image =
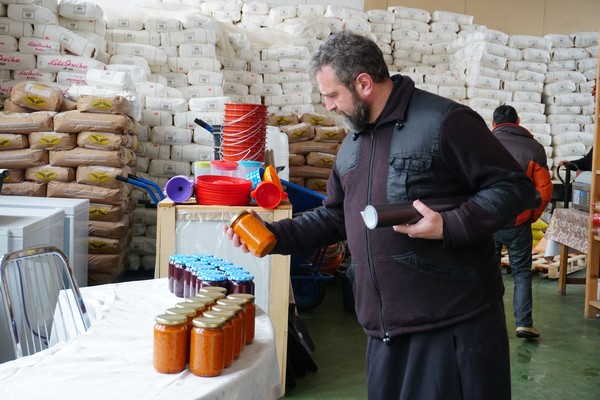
(254, 234)
(227, 316)
(207, 347)
(249, 311)
(170, 343)
(239, 334)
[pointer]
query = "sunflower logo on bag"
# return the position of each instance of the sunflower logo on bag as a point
(102, 104)
(99, 176)
(97, 212)
(45, 175)
(49, 140)
(97, 245)
(35, 101)
(99, 139)
(5, 142)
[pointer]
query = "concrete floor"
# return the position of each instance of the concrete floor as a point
(563, 364)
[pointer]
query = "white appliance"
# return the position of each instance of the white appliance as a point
(76, 227)
(21, 228)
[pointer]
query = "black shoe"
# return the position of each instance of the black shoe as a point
(527, 332)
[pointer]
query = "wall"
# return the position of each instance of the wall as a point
(523, 17)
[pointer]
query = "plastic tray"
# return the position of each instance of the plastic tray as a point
(301, 198)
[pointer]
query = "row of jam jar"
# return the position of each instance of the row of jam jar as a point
(208, 330)
(187, 274)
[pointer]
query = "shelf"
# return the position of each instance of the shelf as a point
(595, 304)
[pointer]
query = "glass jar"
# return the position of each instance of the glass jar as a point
(171, 275)
(207, 347)
(250, 313)
(253, 233)
(239, 325)
(178, 273)
(170, 343)
(241, 282)
(209, 289)
(212, 278)
(198, 305)
(227, 316)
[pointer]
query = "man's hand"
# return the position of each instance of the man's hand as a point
(429, 227)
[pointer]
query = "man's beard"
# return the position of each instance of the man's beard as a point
(359, 119)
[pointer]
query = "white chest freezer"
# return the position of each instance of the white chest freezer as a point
(21, 228)
(76, 223)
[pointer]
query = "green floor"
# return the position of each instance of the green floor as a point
(563, 364)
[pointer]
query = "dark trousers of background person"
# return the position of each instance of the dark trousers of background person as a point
(518, 242)
(466, 361)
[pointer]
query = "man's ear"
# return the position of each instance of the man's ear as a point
(363, 84)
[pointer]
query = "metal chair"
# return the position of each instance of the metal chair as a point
(41, 299)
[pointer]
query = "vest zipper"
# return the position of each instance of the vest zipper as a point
(386, 337)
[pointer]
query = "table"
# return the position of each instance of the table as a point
(570, 228)
(113, 360)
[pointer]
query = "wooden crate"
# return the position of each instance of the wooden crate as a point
(192, 228)
(549, 266)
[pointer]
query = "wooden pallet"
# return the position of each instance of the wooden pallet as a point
(549, 266)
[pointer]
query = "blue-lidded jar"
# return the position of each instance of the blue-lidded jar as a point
(212, 278)
(241, 282)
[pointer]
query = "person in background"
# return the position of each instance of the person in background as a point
(427, 294)
(516, 235)
(582, 164)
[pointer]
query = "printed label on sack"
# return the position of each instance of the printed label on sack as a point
(102, 104)
(99, 139)
(97, 245)
(97, 212)
(49, 141)
(99, 176)
(35, 101)
(45, 175)
(5, 142)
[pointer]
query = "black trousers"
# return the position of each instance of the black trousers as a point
(467, 361)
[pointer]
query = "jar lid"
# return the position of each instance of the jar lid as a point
(230, 307)
(247, 297)
(196, 304)
(170, 319)
(207, 289)
(230, 302)
(214, 295)
(187, 312)
(237, 216)
(226, 315)
(206, 322)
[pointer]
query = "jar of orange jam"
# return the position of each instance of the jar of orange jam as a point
(254, 234)
(170, 343)
(239, 334)
(207, 347)
(249, 311)
(227, 316)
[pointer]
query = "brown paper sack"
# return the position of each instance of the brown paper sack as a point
(101, 176)
(106, 212)
(102, 140)
(48, 173)
(318, 185)
(37, 96)
(299, 132)
(308, 171)
(23, 158)
(80, 156)
(12, 107)
(30, 189)
(312, 146)
(282, 119)
(106, 268)
(27, 122)
(330, 134)
(297, 160)
(15, 176)
(77, 121)
(96, 194)
(320, 159)
(13, 141)
(52, 140)
(317, 119)
(104, 105)
(110, 230)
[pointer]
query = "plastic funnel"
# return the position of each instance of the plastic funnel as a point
(179, 188)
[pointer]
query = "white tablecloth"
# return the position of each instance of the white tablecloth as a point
(114, 359)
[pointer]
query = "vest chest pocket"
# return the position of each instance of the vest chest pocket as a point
(409, 177)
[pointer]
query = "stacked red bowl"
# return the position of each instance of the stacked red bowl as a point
(222, 190)
(243, 134)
